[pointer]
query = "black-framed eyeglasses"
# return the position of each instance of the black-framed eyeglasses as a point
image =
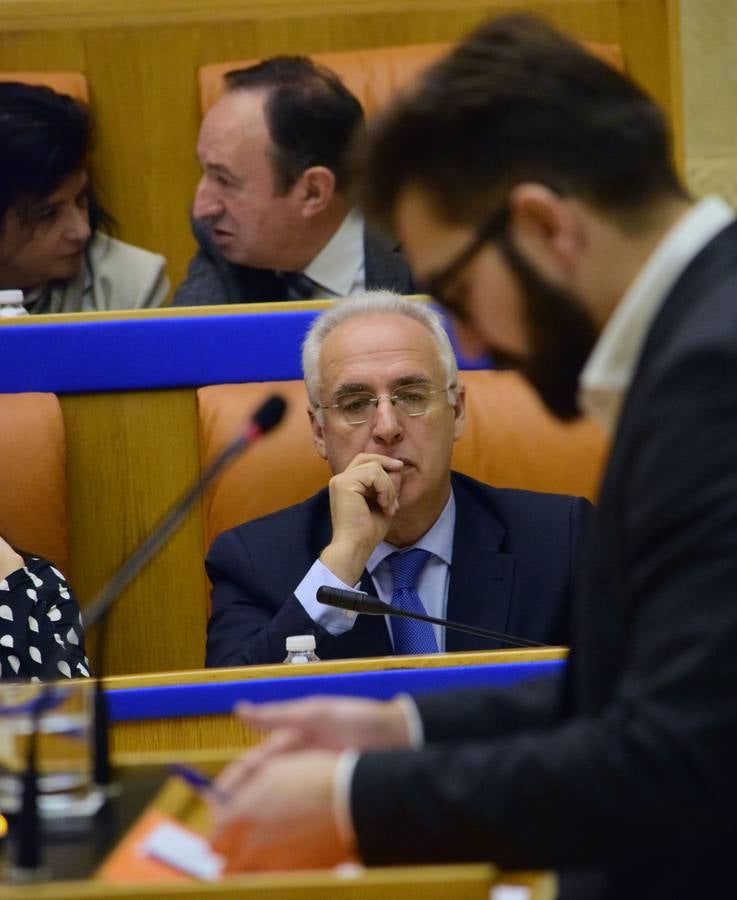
(361, 406)
(493, 227)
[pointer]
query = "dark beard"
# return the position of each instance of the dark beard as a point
(562, 336)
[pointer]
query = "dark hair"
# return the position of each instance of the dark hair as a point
(311, 115)
(44, 139)
(518, 101)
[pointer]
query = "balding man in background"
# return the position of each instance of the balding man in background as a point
(386, 405)
(272, 215)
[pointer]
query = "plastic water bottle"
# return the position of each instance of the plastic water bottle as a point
(301, 649)
(11, 304)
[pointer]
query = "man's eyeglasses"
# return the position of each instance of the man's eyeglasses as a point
(410, 399)
(491, 228)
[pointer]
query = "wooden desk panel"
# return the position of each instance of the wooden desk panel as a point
(467, 882)
(218, 737)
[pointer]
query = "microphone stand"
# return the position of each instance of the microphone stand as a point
(28, 866)
(266, 417)
(357, 601)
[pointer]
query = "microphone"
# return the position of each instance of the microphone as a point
(357, 601)
(266, 417)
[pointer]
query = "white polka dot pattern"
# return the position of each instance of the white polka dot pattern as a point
(41, 634)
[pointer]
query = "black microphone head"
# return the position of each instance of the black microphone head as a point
(356, 601)
(270, 413)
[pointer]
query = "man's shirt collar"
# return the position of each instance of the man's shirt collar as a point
(611, 367)
(438, 539)
(340, 265)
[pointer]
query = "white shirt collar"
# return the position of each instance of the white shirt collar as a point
(340, 265)
(611, 367)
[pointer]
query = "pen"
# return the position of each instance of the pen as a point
(197, 780)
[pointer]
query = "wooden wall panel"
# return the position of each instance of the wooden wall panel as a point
(130, 455)
(141, 58)
(709, 29)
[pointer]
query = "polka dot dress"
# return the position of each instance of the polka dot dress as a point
(41, 635)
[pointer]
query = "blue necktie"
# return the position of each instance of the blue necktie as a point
(410, 636)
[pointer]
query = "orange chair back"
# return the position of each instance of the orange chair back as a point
(33, 509)
(72, 83)
(375, 76)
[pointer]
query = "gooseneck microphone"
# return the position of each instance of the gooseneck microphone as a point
(357, 601)
(266, 417)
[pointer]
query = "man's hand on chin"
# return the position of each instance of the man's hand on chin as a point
(281, 816)
(364, 498)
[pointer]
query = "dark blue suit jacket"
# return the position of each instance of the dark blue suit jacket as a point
(514, 553)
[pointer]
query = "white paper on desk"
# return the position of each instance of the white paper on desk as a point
(183, 850)
(510, 892)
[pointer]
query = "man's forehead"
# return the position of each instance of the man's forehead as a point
(234, 118)
(377, 346)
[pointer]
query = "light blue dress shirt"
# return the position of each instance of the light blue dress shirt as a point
(432, 585)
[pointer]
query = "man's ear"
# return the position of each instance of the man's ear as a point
(459, 425)
(318, 433)
(547, 229)
(316, 188)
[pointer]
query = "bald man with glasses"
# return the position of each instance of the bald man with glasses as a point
(386, 406)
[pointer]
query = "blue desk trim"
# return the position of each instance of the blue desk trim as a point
(130, 704)
(150, 353)
(135, 354)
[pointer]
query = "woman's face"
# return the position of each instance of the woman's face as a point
(46, 241)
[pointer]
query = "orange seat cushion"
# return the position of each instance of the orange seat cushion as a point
(281, 469)
(511, 440)
(33, 476)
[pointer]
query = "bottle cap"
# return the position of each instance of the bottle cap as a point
(11, 298)
(301, 642)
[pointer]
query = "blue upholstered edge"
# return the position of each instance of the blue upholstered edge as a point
(169, 352)
(128, 704)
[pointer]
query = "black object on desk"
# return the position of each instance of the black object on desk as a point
(75, 848)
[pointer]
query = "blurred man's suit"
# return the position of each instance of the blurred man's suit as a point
(646, 655)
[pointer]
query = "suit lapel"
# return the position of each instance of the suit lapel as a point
(481, 577)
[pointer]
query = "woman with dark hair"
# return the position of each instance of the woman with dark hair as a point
(50, 245)
(41, 634)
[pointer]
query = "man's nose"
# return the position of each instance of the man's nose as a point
(387, 427)
(206, 203)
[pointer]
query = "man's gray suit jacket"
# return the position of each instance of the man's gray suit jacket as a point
(211, 279)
